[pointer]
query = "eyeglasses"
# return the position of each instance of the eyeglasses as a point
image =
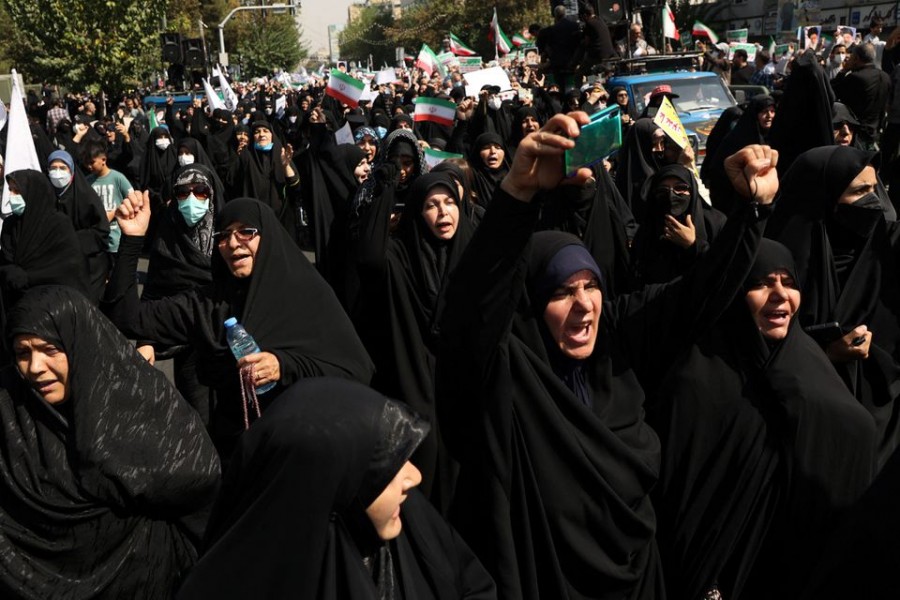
(243, 235)
(682, 189)
(200, 191)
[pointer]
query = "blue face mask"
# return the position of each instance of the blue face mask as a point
(17, 204)
(266, 148)
(193, 210)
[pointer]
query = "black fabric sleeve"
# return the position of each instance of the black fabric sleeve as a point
(660, 321)
(167, 321)
(457, 142)
(486, 287)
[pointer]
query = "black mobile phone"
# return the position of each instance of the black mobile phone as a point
(825, 333)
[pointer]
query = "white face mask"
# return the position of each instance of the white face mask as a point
(837, 60)
(16, 204)
(292, 120)
(163, 143)
(60, 178)
(495, 103)
(185, 159)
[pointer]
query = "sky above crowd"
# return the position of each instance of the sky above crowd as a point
(318, 15)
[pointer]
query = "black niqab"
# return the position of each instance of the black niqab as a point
(846, 277)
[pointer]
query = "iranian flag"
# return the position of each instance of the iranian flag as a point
(458, 48)
(668, 18)
(502, 44)
(435, 110)
(520, 39)
(701, 29)
(344, 88)
(428, 60)
(435, 157)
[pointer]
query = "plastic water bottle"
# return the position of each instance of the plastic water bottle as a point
(242, 344)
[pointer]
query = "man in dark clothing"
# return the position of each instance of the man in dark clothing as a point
(596, 42)
(741, 70)
(558, 43)
(865, 89)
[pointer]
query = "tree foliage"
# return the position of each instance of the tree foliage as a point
(430, 21)
(92, 44)
(268, 42)
(366, 36)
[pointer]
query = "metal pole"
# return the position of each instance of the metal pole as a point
(203, 41)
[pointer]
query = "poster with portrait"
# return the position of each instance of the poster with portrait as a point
(810, 37)
(786, 15)
(845, 35)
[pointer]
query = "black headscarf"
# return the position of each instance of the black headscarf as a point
(847, 269)
(200, 155)
(399, 315)
(487, 180)
(318, 330)
(351, 442)
(803, 118)
(181, 255)
(657, 260)
(762, 447)
(745, 132)
(467, 206)
(103, 495)
(83, 206)
(720, 131)
(157, 166)
(260, 174)
(635, 163)
(39, 246)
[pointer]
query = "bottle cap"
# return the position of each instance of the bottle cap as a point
(230, 322)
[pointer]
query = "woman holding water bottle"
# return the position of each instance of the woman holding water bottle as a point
(261, 278)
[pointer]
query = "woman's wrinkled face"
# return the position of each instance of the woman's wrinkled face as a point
(239, 244)
(573, 315)
(441, 213)
(262, 136)
(864, 183)
(361, 172)
(492, 156)
(384, 512)
(765, 118)
(44, 366)
(367, 145)
(773, 302)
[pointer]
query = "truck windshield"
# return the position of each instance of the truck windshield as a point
(694, 94)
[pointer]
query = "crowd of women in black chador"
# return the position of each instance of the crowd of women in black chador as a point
(494, 381)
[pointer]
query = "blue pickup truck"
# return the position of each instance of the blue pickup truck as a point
(703, 97)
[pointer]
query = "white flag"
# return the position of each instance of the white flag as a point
(3, 115)
(231, 99)
(20, 152)
(212, 97)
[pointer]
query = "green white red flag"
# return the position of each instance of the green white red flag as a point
(345, 88)
(502, 44)
(458, 48)
(435, 110)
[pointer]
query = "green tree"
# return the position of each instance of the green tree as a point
(96, 45)
(271, 41)
(366, 35)
(432, 20)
